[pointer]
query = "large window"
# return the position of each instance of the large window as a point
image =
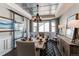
(19, 30)
(53, 26)
(44, 26)
(25, 28)
(34, 27)
(18, 26)
(41, 27)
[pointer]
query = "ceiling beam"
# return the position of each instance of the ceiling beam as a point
(46, 16)
(40, 6)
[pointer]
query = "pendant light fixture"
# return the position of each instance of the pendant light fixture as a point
(37, 17)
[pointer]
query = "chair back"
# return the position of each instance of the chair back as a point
(25, 48)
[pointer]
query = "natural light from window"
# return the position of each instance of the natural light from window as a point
(44, 26)
(34, 27)
(53, 26)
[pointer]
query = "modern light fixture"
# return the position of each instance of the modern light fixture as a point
(37, 17)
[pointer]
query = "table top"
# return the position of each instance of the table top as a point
(38, 44)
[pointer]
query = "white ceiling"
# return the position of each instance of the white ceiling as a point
(62, 8)
(56, 9)
(44, 8)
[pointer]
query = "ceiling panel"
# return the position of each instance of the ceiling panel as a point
(44, 8)
(34, 9)
(45, 4)
(53, 11)
(53, 6)
(43, 12)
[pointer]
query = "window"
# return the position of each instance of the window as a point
(41, 27)
(18, 18)
(53, 26)
(44, 26)
(19, 30)
(18, 26)
(34, 27)
(25, 28)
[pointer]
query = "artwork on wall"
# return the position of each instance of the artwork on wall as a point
(5, 24)
(69, 30)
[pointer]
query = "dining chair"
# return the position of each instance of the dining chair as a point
(47, 37)
(26, 49)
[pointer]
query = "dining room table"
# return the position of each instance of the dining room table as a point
(38, 43)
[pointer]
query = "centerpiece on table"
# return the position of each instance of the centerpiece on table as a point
(30, 39)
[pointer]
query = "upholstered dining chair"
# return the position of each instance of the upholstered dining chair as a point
(26, 49)
(47, 37)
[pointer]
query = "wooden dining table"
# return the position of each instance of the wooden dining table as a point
(38, 44)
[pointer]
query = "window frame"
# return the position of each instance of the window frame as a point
(53, 26)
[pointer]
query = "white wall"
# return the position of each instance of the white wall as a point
(4, 12)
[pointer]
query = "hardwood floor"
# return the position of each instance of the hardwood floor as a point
(51, 50)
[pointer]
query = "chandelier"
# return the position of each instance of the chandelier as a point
(37, 17)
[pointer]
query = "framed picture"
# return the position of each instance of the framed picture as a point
(69, 30)
(5, 24)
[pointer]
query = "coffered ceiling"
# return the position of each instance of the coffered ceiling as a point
(45, 9)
